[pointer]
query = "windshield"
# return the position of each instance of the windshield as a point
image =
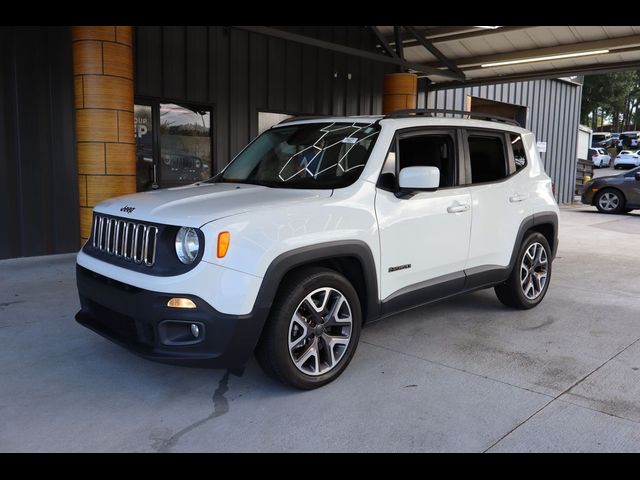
(310, 155)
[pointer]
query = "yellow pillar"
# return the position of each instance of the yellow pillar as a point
(400, 91)
(105, 141)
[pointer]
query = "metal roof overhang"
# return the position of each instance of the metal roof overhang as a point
(471, 55)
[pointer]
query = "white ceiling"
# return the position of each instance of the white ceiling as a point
(468, 46)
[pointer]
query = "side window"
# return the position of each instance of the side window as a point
(519, 156)
(486, 155)
(435, 150)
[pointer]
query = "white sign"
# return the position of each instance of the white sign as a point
(542, 147)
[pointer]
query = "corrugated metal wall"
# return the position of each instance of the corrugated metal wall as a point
(553, 114)
(239, 74)
(38, 183)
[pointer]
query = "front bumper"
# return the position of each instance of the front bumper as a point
(140, 321)
(587, 195)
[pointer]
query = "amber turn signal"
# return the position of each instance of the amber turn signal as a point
(223, 243)
(181, 303)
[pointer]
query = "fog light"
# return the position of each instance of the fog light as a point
(181, 303)
(195, 330)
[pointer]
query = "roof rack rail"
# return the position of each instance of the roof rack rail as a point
(432, 112)
(301, 117)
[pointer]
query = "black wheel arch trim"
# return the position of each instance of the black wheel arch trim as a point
(308, 255)
(407, 298)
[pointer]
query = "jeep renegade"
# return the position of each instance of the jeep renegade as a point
(318, 226)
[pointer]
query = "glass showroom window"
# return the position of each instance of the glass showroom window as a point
(145, 168)
(185, 144)
(173, 144)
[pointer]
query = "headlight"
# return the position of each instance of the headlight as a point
(187, 245)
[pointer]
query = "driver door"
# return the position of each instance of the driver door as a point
(424, 237)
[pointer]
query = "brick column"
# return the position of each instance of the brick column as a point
(105, 142)
(400, 91)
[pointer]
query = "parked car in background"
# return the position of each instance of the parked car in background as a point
(614, 193)
(629, 140)
(599, 157)
(615, 141)
(627, 159)
(601, 139)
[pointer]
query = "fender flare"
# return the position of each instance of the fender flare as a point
(299, 257)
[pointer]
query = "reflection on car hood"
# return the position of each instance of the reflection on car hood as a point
(195, 205)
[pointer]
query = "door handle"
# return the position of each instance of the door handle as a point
(458, 208)
(518, 197)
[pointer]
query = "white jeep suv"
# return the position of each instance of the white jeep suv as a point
(316, 227)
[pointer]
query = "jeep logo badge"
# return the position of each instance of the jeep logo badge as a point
(127, 209)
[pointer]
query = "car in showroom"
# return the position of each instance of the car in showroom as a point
(599, 157)
(316, 227)
(614, 193)
(627, 159)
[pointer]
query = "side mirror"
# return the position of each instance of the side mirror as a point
(638, 176)
(419, 178)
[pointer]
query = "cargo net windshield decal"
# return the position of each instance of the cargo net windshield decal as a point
(340, 147)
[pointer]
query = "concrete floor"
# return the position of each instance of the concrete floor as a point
(462, 375)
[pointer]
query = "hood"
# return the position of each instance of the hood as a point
(197, 204)
(606, 177)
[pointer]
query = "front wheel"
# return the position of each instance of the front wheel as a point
(529, 280)
(313, 329)
(609, 201)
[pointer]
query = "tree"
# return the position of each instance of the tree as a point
(611, 97)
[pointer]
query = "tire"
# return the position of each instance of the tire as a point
(294, 297)
(609, 200)
(517, 293)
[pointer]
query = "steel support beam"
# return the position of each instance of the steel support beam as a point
(356, 52)
(383, 42)
(447, 34)
(399, 46)
(434, 51)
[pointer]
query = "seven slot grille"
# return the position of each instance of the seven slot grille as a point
(131, 241)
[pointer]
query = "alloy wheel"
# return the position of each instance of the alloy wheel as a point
(609, 201)
(320, 331)
(534, 271)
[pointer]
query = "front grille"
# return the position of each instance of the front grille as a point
(183, 162)
(130, 241)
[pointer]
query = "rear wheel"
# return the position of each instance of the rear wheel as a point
(529, 280)
(609, 201)
(313, 330)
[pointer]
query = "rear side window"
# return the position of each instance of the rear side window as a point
(487, 158)
(519, 155)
